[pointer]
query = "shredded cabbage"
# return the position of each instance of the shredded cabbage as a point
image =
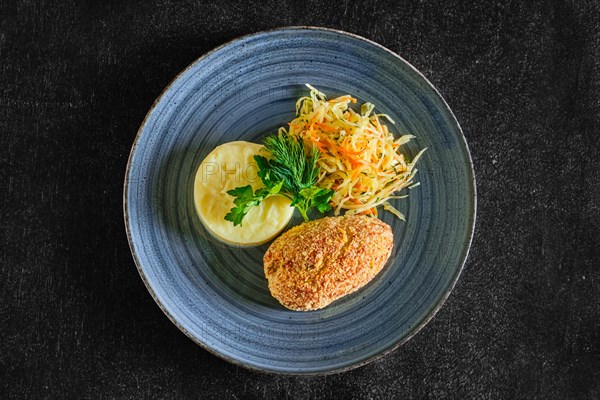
(360, 158)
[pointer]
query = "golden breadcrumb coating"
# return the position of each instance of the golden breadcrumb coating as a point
(320, 261)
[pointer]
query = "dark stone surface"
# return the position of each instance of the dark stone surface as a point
(76, 79)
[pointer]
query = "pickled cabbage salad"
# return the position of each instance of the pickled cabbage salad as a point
(360, 159)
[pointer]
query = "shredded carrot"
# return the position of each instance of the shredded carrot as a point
(327, 128)
(369, 211)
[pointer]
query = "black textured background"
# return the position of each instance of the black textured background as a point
(77, 78)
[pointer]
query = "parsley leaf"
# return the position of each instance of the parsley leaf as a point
(245, 199)
(312, 197)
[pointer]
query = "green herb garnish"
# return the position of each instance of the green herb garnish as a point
(290, 172)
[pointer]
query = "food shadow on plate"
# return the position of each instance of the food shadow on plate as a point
(234, 272)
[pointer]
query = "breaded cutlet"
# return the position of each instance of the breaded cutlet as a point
(320, 261)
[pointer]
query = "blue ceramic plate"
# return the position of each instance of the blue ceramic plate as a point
(216, 294)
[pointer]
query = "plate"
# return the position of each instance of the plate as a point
(217, 294)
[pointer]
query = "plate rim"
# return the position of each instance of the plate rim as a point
(414, 330)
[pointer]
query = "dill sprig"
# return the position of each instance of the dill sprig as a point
(289, 172)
